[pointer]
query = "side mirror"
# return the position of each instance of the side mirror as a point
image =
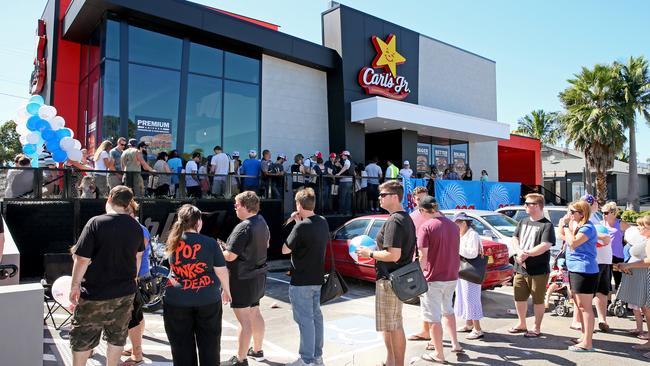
(488, 233)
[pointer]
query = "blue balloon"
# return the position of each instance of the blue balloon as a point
(64, 132)
(32, 108)
(601, 229)
(42, 125)
(32, 123)
(59, 156)
(49, 134)
(52, 145)
(37, 99)
(29, 149)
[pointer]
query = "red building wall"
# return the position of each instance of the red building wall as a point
(520, 160)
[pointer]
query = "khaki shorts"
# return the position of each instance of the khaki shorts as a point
(91, 317)
(438, 301)
(526, 286)
(388, 308)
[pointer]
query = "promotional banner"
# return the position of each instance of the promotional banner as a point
(408, 201)
(441, 156)
(458, 194)
(423, 164)
(460, 159)
(155, 131)
(501, 194)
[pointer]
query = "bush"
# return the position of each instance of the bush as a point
(631, 216)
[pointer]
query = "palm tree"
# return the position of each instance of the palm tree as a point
(593, 120)
(540, 125)
(635, 82)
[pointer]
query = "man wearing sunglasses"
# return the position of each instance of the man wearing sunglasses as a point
(115, 179)
(532, 242)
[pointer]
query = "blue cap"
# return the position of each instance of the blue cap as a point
(588, 198)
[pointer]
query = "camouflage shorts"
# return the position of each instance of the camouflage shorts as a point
(91, 317)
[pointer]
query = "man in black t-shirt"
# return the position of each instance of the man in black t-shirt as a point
(106, 262)
(397, 244)
(245, 255)
(307, 244)
(532, 242)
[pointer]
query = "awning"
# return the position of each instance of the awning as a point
(382, 114)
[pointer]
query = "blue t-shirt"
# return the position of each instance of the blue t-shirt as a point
(251, 167)
(583, 258)
(175, 166)
(144, 263)
(192, 269)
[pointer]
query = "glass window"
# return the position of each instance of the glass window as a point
(94, 51)
(242, 68)
(84, 60)
(555, 216)
(459, 158)
(376, 226)
(479, 227)
(112, 39)
(440, 155)
(153, 48)
(93, 111)
(83, 108)
(241, 116)
(520, 215)
(203, 114)
(502, 223)
(153, 98)
(352, 229)
(206, 60)
(111, 101)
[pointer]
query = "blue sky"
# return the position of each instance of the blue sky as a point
(537, 46)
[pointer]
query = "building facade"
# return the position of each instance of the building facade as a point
(183, 76)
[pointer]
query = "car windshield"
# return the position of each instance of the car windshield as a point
(519, 215)
(556, 215)
(502, 223)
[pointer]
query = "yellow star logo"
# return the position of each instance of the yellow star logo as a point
(387, 56)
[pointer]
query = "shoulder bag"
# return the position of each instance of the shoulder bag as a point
(473, 270)
(408, 282)
(334, 286)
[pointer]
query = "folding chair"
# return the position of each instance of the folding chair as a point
(56, 265)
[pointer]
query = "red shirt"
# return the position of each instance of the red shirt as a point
(418, 219)
(441, 237)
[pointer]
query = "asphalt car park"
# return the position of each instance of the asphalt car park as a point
(351, 339)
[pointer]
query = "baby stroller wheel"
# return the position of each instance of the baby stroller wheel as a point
(561, 310)
(611, 309)
(619, 311)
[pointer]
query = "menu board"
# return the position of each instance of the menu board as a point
(423, 158)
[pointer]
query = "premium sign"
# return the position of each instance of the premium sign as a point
(155, 131)
(386, 83)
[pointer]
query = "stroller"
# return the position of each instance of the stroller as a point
(558, 282)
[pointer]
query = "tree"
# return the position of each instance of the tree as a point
(635, 98)
(10, 145)
(540, 125)
(593, 120)
(624, 155)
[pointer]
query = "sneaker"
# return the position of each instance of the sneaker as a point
(257, 356)
(299, 362)
(318, 361)
(234, 361)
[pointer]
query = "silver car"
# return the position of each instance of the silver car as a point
(490, 225)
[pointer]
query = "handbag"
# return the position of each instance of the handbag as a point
(473, 270)
(408, 282)
(334, 286)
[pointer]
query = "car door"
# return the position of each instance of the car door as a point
(340, 244)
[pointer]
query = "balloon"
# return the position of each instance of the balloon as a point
(22, 129)
(61, 291)
(47, 112)
(23, 140)
(37, 99)
(21, 112)
(64, 132)
(49, 135)
(42, 125)
(32, 123)
(360, 241)
(52, 145)
(601, 229)
(29, 149)
(57, 123)
(33, 138)
(77, 145)
(67, 143)
(75, 155)
(59, 156)
(32, 108)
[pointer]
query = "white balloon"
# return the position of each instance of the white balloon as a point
(33, 137)
(22, 111)
(57, 123)
(67, 144)
(74, 155)
(61, 291)
(77, 145)
(47, 112)
(23, 140)
(22, 130)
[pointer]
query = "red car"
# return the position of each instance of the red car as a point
(499, 269)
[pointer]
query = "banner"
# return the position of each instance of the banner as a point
(475, 195)
(501, 194)
(408, 200)
(423, 156)
(155, 131)
(441, 158)
(460, 159)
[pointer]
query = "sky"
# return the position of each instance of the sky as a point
(537, 45)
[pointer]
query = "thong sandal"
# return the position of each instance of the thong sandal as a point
(577, 348)
(430, 347)
(126, 353)
(514, 330)
(416, 337)
(131, 362)
(429, 357)
(532, 334)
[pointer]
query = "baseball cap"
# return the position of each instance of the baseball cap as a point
(588, 198)
(461, 216)
(282, 156)
(406, 162)
(345, 152)
(133, 142)
(252, 152)
(235, 153)
(318, 154)
(427, 203)
(332, 155)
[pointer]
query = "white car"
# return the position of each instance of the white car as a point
(490, 225)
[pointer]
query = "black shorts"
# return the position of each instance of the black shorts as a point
(604, 279)
(136, 314)
(246, 293)
(583, 283)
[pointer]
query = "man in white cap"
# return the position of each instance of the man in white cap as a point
(406, 171)
(251, 167)
(345, 184)
(235, 186)
(308, 165)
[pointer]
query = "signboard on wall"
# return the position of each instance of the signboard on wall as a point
(460, 161)
(423, 156)
(441, 156)
(387, 83)
(155, 131)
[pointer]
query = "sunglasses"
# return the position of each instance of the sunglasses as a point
(122, 144)
(574, 211)
(384, 194)
(530, 203)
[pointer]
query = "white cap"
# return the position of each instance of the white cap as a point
(252, 152)
(406, 162)
(345, 152)
(235, 153)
